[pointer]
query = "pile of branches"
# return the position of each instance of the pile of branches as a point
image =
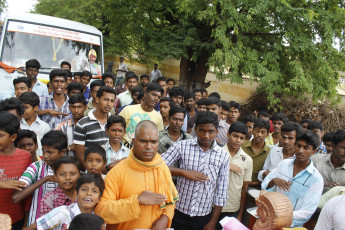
(331, 116)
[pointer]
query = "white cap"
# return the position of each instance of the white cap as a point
(224, 221)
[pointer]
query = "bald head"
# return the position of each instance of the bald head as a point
(149, 125)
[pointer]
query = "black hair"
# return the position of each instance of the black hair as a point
(168, 99)
(263, 113)
(154, 87)
(291, 126)
(171, 79)
(202, 101)
(130, 75)
(262, 124)
(238, 127)
(338, 137)
(176, 91)
(30, 98)
(77, 98)
(12, 103)
(77, 74)
(315, 125)
(213, 101)
(86, 221)
(203, 90)
(96, 149)
(250, 118)
(225, 106)
(115, 119)
(214, 94)
(25, 133)
(306, 121)
(69, 73)
(9, 123)
(22, 79)
(206, 117)
(188, 95)
(279, 117)
(32, 63)
(145, 76)
(176, 109)
(86, 74)
(106, 89)
(140, 95)
(65, 63)
(89, 178)
(66, 160)
(137, 89)
(309, 137)
(161, 79)
(58, 72)
(197, 90)
(328, 137)
(96, 83)
(55, 139)
(75, 85)
(49, 84)
(108, 75)
(234, 104)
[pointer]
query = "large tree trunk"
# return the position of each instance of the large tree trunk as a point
(193, 73)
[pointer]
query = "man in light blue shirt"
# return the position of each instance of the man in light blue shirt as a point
(298, 179)
(31, 68)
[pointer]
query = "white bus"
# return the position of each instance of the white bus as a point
(51, 40)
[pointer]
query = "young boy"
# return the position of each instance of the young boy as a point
(21, 85)
(30, 119)
(115, 149)
(13, 162)
(89, 189)
(39, 176)
(66, 174)
(95, 159)
(317, 128)
(298, 179)
(27, 140)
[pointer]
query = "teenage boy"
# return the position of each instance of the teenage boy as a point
(74, 88)
(144, 81)
(66, 174)
(13, 105)
(305, 123)
(108, 79)
(31, 69)
(171, 84)
(201, 104)
(298, 179)
(76, 77)
(30, 119)
(21, 85)
(203, 176)
(129, 203)
(328, 141)
(53, 109)
(27, 140)
(197, 94)
(121, 72)
(257, 149)
(95, 85)
(39, 176)
(77, 106)
(241, 168)
(289, 131)
(85, 79)
(89, 189)
(173, 133)
(68, 79)
(13, 162)
(90, 130)
(95, 160)
(165, 105)
(131, 81)
(234, 112)
(65, 65)
(191, 110)
(249, 121)
(278, 120)
(133, 114)
(176, 94)
(332, 166)
(116, 151)
(224, 110)
(162, 81)
(317, 128)
(137, 94)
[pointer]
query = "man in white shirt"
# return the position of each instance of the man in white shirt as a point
(31, 68)
(155, 73)
(121, 72)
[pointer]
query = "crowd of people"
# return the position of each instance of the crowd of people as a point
(131, 152)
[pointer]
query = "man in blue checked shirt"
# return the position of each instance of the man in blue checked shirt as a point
(203, 176)
(298, 179)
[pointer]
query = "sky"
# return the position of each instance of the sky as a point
(18, 6)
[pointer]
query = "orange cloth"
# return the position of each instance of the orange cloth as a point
(9, 69)
(119, 205)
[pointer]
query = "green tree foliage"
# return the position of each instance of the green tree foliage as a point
(292, 47)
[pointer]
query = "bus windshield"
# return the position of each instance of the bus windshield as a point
(50, 46)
